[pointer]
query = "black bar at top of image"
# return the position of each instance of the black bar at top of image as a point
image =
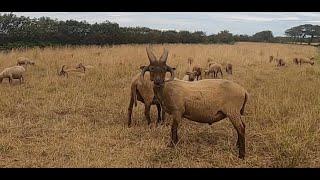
(159, 5)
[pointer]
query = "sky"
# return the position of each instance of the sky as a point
(208, 22)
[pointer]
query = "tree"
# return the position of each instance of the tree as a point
(264, 36)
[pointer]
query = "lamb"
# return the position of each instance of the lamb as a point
(196, 69)
(205, 101)
(15, 72)
(77, 69)
(229, 68)
(24, 61)
(190, 76)
(214, 69)
(306, 61)
(142, 90)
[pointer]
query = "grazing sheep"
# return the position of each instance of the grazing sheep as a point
(196, 69)
(281, 62)
(306, 61)
(229, 68)
(142, 90)
(214, 69)
(65, 72)
(205, 101)
(24, 61)
(271, 59)
(295, 61)
(15, 72)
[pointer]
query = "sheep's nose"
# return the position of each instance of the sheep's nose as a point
(158, 81)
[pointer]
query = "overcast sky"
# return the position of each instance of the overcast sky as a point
(209, 22)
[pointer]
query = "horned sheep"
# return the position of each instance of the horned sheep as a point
(14, 72)
(65, 72)
(205, 101)
(142, 90)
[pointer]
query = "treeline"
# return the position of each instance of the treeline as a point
(25, 32)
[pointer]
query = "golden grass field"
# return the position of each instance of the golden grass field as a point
(51, 121)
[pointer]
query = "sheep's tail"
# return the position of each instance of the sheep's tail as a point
(246, 96)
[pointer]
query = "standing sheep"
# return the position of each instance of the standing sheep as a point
(142, 90)
(281, 62)
(229, 68)
(270, 59)
(15, 72)
(206, 101)
(214, 69)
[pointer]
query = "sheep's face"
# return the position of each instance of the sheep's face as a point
(158, 68)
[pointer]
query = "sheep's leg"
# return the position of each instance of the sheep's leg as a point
(130, 111)
(240, 127)
(147, 113)
(174, 128)
(159, 112)
(221, 73)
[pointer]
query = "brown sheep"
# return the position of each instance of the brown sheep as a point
(281, 62)
(142, 90)
(295, 61)
(229, 68)
(194, 68)
(206, 101)
(77, 69)
(306, 61)
(271, 59)
(214, 69)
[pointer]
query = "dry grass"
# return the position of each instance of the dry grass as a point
(52, 121)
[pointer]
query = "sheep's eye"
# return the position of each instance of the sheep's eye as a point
(151, 68)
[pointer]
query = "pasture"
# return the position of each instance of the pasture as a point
(81, 121)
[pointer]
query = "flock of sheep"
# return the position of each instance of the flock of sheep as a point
(297, 61)
(18, 71)
(204, 100)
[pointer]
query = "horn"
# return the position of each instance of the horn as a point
(151, 56)
(164, 56)
(171, 72)
(144, 70)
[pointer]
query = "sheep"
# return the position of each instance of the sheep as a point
(142, 90)
(79, 66)
(306, 61)
(229, 68)
(65, 72)
(214, 69)
(24, 61)
(196, 69)
(205, 101)
(14, 72)
(295, 61)
(271, 58)
(190, 76)
(281, 62)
